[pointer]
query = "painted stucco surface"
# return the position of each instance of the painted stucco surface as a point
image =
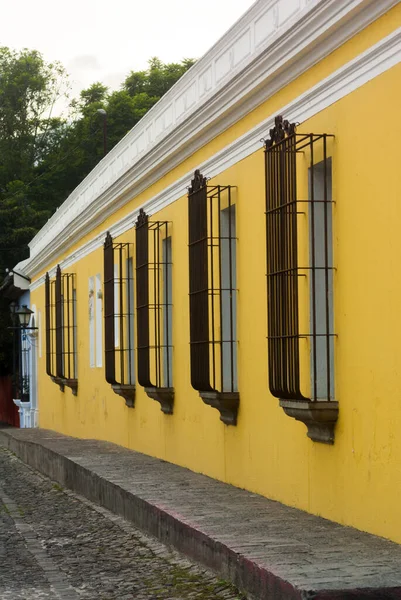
(357, 481)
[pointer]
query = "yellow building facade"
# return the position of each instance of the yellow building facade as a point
(315, 208)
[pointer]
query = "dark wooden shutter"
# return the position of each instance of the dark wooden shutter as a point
(198, 283)
(282, 262)
(109, 334)
(142, 298)
(48, 326)
(59, 323)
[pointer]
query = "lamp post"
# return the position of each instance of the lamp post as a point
(101, 111)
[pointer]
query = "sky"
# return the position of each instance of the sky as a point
(104, 40)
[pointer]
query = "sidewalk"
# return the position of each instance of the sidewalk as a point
(265, 548)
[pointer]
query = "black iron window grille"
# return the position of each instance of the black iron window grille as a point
(119, 318)
(61, 330)
(213, 296)
(66, 330)
(300, 277)
(154, 310)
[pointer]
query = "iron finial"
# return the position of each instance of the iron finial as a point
(282, 129)
(198, 182)
(142, 218)
(109, 240)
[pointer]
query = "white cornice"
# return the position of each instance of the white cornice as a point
(301, 33)
(367, 66)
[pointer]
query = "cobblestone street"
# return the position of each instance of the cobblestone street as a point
(55, 544)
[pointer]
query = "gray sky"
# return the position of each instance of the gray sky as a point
(99, 40)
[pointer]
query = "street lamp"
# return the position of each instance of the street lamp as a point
(24, 315)
(101, 111)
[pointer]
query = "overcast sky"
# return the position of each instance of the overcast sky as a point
(104, 40)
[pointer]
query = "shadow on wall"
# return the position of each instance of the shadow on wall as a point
(8, 410)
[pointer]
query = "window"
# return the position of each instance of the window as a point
(154, 310)
(213, 296)
(117, 280)
(300, 277)
(99, 321)
(61, 330)
(167, 312)
(95, 321)
(66, 338)
(119, 318)
(228, 300)
(321, 283)
(91, 311)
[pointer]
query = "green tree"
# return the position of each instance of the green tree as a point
(29, 90)
(96, 93)
(81, 149)
(158, 79)
(43, 157)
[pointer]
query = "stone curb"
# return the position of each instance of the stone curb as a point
(253, 579)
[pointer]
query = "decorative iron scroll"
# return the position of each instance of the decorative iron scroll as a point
(282, 129)
(212, 295)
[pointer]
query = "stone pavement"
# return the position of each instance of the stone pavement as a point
(56, 545)
(266, 549)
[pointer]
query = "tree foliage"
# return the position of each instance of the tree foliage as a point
(43, 157)
(80, 147)
(29, 89)
(158, 79)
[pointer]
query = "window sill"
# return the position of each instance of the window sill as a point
(71, 383)
(226, 403)
(63, 382)
(58, 381)
(127, 392)
(163, 395)
(319, 417)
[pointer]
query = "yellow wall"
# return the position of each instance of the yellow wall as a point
(358, 480)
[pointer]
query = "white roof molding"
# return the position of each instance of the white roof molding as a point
(271, 45)
(354, 74)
